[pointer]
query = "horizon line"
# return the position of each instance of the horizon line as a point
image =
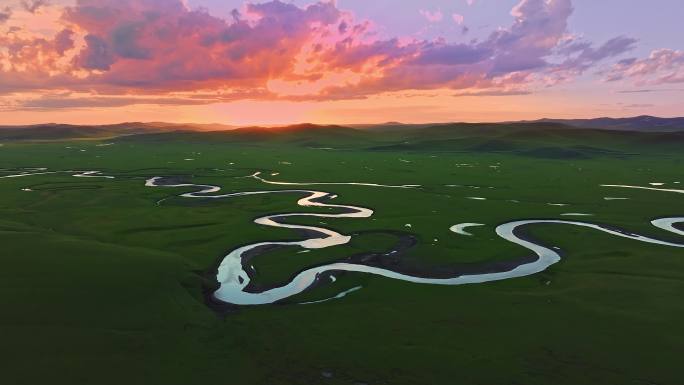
(236, 126)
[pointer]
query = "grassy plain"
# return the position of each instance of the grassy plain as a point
(102, 285)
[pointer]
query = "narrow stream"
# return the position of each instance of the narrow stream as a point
(234, 280)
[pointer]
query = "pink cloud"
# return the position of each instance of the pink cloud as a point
(279, 50)
(662, 66)
(432, 16)
(458, 18)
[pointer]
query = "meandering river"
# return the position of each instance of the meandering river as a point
(234, 279)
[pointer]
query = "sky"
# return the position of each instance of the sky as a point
(346, 61)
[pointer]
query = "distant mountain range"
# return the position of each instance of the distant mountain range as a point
(638, 123)
(53, 131)
(644, 123)
(546, 139)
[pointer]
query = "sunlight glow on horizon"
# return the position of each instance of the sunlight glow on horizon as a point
(274, 63)
(376, 110)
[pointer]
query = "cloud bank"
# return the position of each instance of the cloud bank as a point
(277, 50)
(663, 66)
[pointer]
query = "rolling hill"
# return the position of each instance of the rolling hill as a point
(551, 139)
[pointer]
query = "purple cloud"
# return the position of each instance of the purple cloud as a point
(539, 27)
(452, 54)
(432, 16)
(64, 41)
(582, 55)
(5, 14)
(97, 55)
(161, 47)
(662, 66)
(32, 6)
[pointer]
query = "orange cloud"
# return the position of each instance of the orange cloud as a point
(273, 50)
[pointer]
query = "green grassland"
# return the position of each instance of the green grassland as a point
(104, 284)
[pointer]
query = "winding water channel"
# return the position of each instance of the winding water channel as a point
(234, 277)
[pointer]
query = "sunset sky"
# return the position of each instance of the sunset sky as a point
(345, 61)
